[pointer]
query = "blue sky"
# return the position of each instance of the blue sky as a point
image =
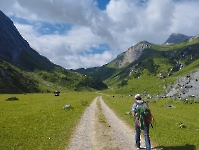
(89, 33)
(102, 4)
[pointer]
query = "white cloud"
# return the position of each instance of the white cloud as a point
(121, 25)
(61, 47)
(88, 60)
(186, 18)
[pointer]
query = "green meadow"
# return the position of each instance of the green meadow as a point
(38, 121)
(168, 115)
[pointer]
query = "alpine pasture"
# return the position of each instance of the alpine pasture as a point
(41, 121)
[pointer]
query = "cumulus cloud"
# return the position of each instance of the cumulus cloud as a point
(186, 18)
(81, 61)
(122, 24)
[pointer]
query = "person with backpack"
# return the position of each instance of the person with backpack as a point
(142, 116)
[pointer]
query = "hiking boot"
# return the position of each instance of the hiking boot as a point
(137, 147)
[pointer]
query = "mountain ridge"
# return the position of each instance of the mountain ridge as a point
(134, 52)
(176, 38)
(164, 63)
(12, 43)
(24, 70)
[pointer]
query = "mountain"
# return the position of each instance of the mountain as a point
(139, 52)
(120, 63)
(176, 38)
(153, 69)
(15, 49)
(106, 71)
(24, 70)
(12, 43)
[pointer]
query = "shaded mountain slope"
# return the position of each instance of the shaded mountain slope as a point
(15, 49)
(24, 70)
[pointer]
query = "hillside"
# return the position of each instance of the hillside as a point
(153, 69)
(24, 70)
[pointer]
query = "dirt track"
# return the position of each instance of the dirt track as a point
(100, 129)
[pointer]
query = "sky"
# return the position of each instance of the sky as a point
(91, 33)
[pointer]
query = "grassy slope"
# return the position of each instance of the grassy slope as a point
(44, 81)
(158, 59)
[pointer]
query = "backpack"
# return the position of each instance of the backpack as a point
(143, 115)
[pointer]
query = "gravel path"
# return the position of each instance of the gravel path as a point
(100, 129)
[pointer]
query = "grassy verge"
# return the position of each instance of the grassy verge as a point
(38, 121)
(167, 132)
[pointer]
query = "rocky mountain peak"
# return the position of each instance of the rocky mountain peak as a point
(11, 42)
(176, 38)
(133, 53)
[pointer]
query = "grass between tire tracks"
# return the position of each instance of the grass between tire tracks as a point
(101, 117)
(103, 131)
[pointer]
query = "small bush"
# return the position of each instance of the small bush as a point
(84, 103)
(12, 99)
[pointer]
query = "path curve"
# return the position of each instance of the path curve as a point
(95, 133)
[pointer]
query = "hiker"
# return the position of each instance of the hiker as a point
(138, 128)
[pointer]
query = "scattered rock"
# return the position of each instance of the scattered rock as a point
(68, 107)
(169, 106)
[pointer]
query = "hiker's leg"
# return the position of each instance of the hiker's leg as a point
(137, 135)
(147, 138)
